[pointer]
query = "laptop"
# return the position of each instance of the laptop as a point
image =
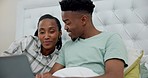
(15, 67)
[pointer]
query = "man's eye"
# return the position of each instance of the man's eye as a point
(67, 23)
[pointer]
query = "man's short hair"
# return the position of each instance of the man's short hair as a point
(86, 6)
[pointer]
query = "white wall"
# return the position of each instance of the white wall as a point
(130, 21)
(29, 12)
(7, 23)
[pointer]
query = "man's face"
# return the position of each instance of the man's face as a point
(73, 24)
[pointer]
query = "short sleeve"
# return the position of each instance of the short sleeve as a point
(115, 48)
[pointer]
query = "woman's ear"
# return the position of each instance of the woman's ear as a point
(60, 34)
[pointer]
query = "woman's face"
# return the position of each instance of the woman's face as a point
(48, 33)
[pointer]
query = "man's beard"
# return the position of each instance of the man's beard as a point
(73, 39)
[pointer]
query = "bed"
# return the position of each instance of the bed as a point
(129, 18)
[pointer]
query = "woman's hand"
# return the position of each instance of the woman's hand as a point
(38, 76)
(44, 75)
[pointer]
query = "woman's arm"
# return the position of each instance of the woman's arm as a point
(55, 68)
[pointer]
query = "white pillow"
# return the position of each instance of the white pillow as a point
(75, 72)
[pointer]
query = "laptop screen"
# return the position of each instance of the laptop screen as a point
(15, 67)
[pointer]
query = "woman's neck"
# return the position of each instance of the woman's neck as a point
(47, 52)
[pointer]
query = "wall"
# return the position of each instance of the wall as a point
(130, 21)
(7, 23)
(29, 12)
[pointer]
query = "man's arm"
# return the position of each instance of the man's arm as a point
(114, 68)
(55, 68)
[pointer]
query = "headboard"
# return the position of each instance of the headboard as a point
(127, 17)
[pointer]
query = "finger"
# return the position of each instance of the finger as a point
(38, 76)
(41, 76)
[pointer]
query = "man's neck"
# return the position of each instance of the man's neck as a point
(90, 32)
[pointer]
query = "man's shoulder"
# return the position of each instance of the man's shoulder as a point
(109, 34)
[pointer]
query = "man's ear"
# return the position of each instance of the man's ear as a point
(84, 19)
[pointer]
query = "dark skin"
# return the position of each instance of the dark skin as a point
(80, 25)
(48, 34)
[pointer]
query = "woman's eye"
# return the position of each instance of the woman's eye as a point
(52, 31)
(41, 32)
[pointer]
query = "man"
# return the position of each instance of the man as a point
(102, 52)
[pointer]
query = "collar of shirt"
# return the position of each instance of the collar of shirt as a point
(38, 48)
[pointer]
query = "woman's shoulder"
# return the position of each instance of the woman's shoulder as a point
(26, 40)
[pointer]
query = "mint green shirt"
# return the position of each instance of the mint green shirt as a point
(93, 52)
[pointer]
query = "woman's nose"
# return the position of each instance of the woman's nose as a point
(47, 35)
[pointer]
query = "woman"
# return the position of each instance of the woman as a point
(41, 49)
